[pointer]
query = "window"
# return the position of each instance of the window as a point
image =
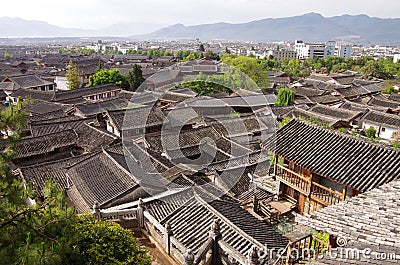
(383, 129)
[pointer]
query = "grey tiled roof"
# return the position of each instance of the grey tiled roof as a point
(281, 111)
(33, 94)
(98, 178)
(193, 137)
(78, 94)
(350, 105)
(382, 118)
(133, 118)
(345, 159)
(325, 99)
(173, 96)
(353, 91)
(246, 160)
(380, 102)
(57, 125)
(42, 107)
(92, 139)
(245, 125)
(28, 81)
(39, 174)
(32, 146)
(101, 107)
(344, 79)
(145, 98)
(190, 214)
(371, 218)
(163, 76)
(345, 115)
(305, 114)
(395, 97)
(308, 91)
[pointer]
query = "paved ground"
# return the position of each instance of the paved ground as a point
(159, 257)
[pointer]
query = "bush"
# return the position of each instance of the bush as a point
(370, 133)
(101, 242)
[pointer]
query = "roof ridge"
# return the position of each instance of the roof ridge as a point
(41, 136)
(345, 135)
(164, 194)
(90, 155)
(100, 131)
(226, 220)
(52, 162)
(58, 121)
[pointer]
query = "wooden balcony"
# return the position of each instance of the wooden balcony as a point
(317, 192)
(293, 179)
(325, 195)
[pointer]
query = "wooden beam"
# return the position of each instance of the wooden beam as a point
(344, 192)
(294, 173)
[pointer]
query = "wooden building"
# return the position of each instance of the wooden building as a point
(318, 167)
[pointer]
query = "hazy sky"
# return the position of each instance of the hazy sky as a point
(96, 14)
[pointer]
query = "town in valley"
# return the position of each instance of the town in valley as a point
(140, 150)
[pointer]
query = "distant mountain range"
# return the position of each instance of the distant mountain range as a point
(312, 27)
(20, 28)
(309, 27)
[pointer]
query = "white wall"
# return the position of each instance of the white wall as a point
(382, 131)
(396, 58)
(387, 133)
(344, 51)
(61, 83)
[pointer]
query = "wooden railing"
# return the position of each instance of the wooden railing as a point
(319, 193)
(325, 195)
(293, 179)
(271, 215)
(307, 248)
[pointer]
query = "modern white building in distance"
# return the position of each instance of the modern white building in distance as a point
(344, 50)
(281, 54)
(396, 58)
(321, 50)
(310, 50)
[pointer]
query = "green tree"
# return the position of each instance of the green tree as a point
(249, 66)
(284, 122)
(73, 76)
(192, 56)
(101, 242)
(212, 56)
(396, 144)
(28, 233)
(375, 69)
(99, 65)
(135, 77)
(370, 133)
(388, 87)
(105, 76)
(7, 55)
(285, 97)
(201, 48)
(50, 232)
